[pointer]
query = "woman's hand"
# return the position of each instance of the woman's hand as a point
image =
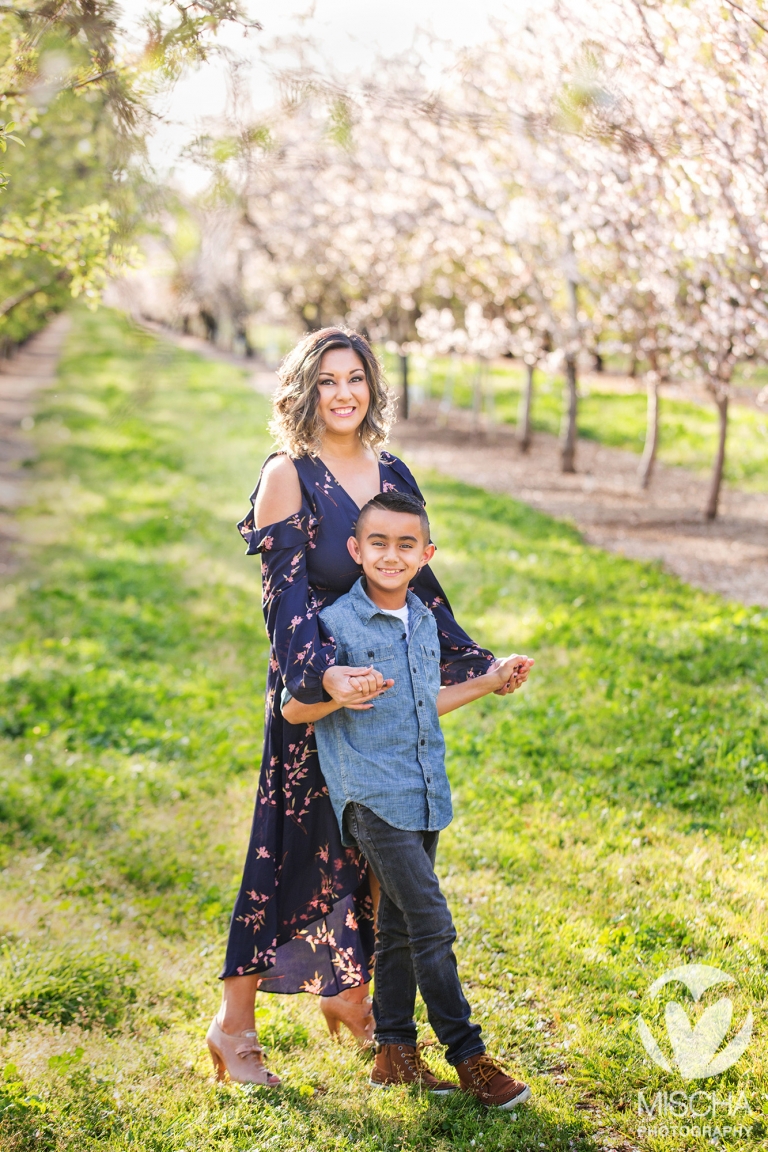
(512, 673)
(354, 687)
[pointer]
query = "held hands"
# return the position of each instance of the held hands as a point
(355, 688)
(510, 673)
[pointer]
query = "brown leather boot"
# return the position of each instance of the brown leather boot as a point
(488, 1082)
(403, 1064)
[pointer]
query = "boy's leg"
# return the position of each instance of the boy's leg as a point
(404, 864)
(394, 983)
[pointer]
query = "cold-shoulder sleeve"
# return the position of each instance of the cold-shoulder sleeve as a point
(460, 657)
(289, 605)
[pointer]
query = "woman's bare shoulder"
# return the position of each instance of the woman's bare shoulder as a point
(279, 494)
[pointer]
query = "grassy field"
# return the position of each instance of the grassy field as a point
(688, 434)
(611, 818)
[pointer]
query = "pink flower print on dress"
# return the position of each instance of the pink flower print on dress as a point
(267, 543)
(351, 920)
(313, 986)
(323, 935)
(351, 972)
(323, 853)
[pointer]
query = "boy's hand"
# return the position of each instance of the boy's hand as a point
(354, 687)
(363, 703)
(510, 673)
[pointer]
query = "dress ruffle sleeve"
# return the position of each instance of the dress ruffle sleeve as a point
(289, 604)
(460, 657)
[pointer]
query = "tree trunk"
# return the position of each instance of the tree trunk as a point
(477, 396)
(524, 435)
(717, 469)
(404, 380)
(446, 403)
(645, 471)
(568, 428)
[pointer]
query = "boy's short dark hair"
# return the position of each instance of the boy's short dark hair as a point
(395, 502)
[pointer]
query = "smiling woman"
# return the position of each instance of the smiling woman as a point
(303, 921)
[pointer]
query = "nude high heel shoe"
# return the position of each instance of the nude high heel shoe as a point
(239, 1057)
(355, 1015)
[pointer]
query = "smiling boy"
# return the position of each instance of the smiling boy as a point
(384, 764)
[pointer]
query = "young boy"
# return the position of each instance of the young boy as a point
(383, 762)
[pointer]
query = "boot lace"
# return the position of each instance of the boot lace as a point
(418, 1061)
(485, 1069)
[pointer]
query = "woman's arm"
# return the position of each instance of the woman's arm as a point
(278, 528)
(460, 657)
(278, 495)
(298, 713)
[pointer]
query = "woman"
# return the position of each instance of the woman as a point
(303, 920)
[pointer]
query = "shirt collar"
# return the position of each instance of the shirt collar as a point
(366, 609)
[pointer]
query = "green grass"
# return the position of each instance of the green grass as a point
(610, 819)
(688, 433)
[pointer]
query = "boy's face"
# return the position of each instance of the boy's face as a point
(391, 549)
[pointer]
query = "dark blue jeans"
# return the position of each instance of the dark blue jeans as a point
(414, 938)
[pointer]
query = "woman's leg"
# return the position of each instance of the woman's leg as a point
(238, 1004)
(232, 1038)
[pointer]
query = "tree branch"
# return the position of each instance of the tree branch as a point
(749, 16)
(12, 302)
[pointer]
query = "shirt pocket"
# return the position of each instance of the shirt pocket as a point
(430, 659)
(382, 657)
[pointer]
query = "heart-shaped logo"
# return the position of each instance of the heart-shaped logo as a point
(696, 1048)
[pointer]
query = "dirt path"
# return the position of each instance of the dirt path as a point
(21, 378)
(602, 499)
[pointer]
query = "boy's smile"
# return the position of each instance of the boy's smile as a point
(391, 549)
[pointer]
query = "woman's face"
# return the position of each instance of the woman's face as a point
(343, 394)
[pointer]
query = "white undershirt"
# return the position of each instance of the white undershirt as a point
(402, 614)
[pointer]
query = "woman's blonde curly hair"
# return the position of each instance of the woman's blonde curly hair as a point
(295, 423)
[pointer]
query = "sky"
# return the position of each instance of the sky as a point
(350, 33)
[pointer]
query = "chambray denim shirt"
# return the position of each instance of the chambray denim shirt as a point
(390, 758)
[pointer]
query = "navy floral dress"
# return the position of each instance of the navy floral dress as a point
(303, 917)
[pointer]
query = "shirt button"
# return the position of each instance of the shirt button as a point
(421, 703)
(429, 779)
(423, 741)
